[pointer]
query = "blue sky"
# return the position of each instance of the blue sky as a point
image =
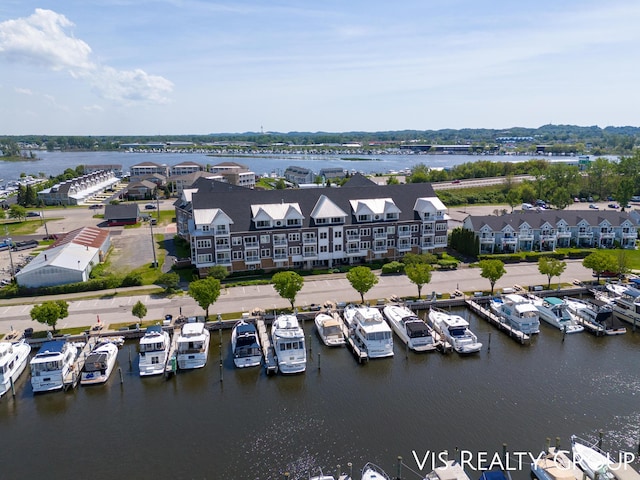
(127, 67)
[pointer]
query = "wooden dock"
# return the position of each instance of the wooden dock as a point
(171, 367)
(270, 361)
(73, 376)
(497, 322)
(358, 351)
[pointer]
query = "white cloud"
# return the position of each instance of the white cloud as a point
(43, 39)
(23, 91)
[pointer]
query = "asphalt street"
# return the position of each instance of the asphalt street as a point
(117, 308)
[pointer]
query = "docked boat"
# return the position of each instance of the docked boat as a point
(627, 306)
(53, 362)
(555, 465)
(288, 344)
(373, 472)
(153, 351)
(192, 346)
(554, 311)
(245, 345)
(369, 330)
(518, 312)
(13, 360)
(99, 364)
(329, 329)
(451, 470)
(598, 464)
(615, 289)
(595, 314)
(454, 330)
(411, 329)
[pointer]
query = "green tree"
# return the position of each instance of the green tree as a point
(414, 258)
(205, 292)
(169, 281)
(622, 262)
(551, 267)
(513, 198)
(493, 270)
(287, 284)
(280, 184)
(139, 310)
(599, 262)
(419, 274)
(17, 211)
(50, 312)
(362, 279)
(219, 272)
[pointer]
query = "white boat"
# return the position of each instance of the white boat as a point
(411, 329)
(329, 329)
(369, 330)
(596, 313)
(373, 472)
(555, 465)
(627, 306)
(454, 330)
(554, 311)
(598, 464)
(615, 289)
(192, 346)
(153, 351)
(451, 470)
(99, 364)
(51, 365)
(288, 344)
(518, 312)
(245, 345)
(13, 360)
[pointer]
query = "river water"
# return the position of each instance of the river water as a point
(54, 163)
(254, 426)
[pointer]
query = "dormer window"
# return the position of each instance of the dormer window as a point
(263, 224)
(293, 222)
(364, 218)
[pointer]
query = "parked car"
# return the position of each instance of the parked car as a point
(456, 181)
(613, 205)
(149, 206)
(97, 206)
(33, 214)
(51, 236)
(594, 207)
(527, 206)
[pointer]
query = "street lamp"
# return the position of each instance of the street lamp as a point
(46, 230)
(9, 242)
(153, 244)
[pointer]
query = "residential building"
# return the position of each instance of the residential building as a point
(142, 171)
(77, 190)
(143, 190)
(551, 229)
(186, 168)
(235, 174)
(332, 173)
(298, 175)
(244, 229)
(122, 214)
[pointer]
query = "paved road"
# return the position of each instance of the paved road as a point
(116, 309)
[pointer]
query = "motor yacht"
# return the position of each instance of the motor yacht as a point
(554, 311)
(455, 331)
(192, 346)
(154, 350)
(288, 344)
(369, 330)
(627, 306)
(373, 472)
(329, 329)
(51, 365)
(245, 345)
(99, 364)
(555, 465)
(411, 329)
(13, 360)
(518, 312)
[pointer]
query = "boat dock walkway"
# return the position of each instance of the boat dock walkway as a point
(270, 361)
(360, 354)
(73, 375)
(497, 322)
(171, 367)
(597, 330)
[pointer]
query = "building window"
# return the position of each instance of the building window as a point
(294, 250)
(294, 237)
(322, 221)
(365, 232)
(250, 241)
(323, 235)
(293, 222)
(391, 230)
(365, 245)
(206, 258)
(265, 239)
(391, 216)
(414, 240)
(238, 255)
(203, 243)
(205, 228)
(337, 248)
(364, 218)
(236, 241)
(263, 224)
(324, 248)
(391, 243)
(414, 228)
(265, 253)
(337, 220)
(337, 234)
(441, 227)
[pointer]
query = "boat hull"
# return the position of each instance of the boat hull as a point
(245, 362)
(23, 351)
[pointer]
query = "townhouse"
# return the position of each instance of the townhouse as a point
(551, 229)
(244, 229)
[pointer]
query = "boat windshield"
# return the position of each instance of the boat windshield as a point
(373, 336)
(50, 366)
(458, 331)
(152, 347)
(291, 346)
(248, 351)
(245, 341)
(332, 331)
(190, 347)
(417, 329)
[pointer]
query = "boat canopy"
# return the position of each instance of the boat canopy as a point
(554, 301)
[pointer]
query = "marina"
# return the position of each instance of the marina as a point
(276, 424)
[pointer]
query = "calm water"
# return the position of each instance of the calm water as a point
(53, 163)
(252, 426)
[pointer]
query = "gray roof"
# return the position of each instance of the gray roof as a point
(236, 201)
(536, 219)
(119, 212)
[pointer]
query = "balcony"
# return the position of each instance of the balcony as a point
(489, 240)
(355, 252)
(223, 246)
(251, 245)
(379, 235)
(509, 240)
(380, 248)
(310, 254)
(307, 239)
(252, 259)
(585, 234)
(563, 234)
(632, 234)
(526, 237)
(404, 247)
(404, 233)
(278, 257)
(221, 231)
(279, 242)
(353, 238)
(607, 235)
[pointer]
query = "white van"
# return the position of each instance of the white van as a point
(527, 206)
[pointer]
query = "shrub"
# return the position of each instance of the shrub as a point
(392, 267)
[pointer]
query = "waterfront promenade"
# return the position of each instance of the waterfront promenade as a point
(114, 306)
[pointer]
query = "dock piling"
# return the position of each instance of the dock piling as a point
(399, 467)
(121, 377)
(350, 467)
(318, 360)
(13, 387)
(489, 343)
(338, 471)
(600, 435)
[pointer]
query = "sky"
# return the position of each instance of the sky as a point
(174, 67)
